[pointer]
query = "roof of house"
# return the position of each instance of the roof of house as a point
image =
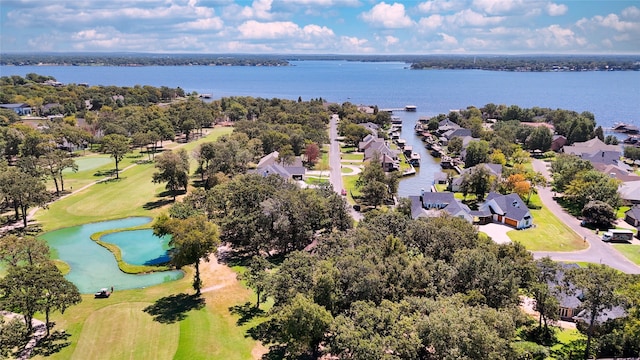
(14, 106)
(630, 191)
(447, 122)
(460, 132)
(602, 156)
(269, 165)
(634, 212)
(511, 205)
(440, 176)
(380, 147)
(494, 169)
(616, 171)
(589, 147)
(452, 206)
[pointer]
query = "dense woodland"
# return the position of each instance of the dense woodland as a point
(389, 288)
(478, 62)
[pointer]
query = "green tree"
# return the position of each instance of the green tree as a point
(477, 153)
(12, 338)
(454, 146)
(173, 169)
(117, 146)
(15, 250)
(593, 185)
(256, 276)
(545, 291)
(23, 190)
(565, 168)
(55, 162)
(21, 290)
(599, 213)
(476, 181)
(301, 325)
(540, 139)
(58, 293)
(598, 287)
(192, 239)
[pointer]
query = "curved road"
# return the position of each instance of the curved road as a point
(598, 251)
(335, 174)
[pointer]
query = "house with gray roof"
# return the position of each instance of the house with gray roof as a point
(508, 209)
(271, 164)
(630, 192)
(434, 204)
(494, 170)
(373, 128)
(21, 109)
(595, 151)
(632, 216)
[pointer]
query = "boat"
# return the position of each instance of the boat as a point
(625, 128)
(411, 108)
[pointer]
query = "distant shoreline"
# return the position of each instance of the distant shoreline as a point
(515, 63)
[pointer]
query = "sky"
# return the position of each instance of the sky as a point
(322, 26)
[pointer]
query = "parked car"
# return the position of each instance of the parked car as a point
(102, 293)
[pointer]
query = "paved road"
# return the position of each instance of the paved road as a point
(598, 251)
(335, 174)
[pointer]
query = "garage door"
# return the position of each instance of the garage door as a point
(511, 222)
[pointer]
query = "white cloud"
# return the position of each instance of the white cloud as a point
(631, 13)
(317, 31)
(259, 9)
(557, 37)
(469, 17)
(214, 23)
(349, 44)
(387, 16)
(556, 10)
(268, 30)
(439, 6)
(448, 39)
(430, 23)
(496, 7)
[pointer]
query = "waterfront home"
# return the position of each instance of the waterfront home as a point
(434, 204)
(272, 164)
(21, 109)
(508, 209)
(495, 170)
(371, 127)
(595, 151)
(630, 192)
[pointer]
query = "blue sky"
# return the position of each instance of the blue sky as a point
(322, 26)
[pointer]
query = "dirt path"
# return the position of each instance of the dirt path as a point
(222, 290)
(39, 332)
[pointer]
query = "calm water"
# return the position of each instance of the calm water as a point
(140, 247)
(94, 267)
(611, 96)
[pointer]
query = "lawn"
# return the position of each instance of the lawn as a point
(630, 251)
(349, 183)
(352, 157)
(549, 234)
(119, 328)
(621, 210)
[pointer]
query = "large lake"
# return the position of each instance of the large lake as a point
(611, 96)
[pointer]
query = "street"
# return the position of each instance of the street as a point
(335, 174)
(598, 252)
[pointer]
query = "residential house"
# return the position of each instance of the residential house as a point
(557, 142)
(440, 178)
(371, 127)
(495, 170)
(632, 216)
(630, 192)
(21, 109)
(508, 209)
(434, 204)
(376, 147)
(367, 141)
(450, 134)
(271, 164)
(595, 151)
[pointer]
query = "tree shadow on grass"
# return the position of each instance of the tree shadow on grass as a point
(156, 204)
(52, 344)
(246, 311)
(102, 173)
(173, 308)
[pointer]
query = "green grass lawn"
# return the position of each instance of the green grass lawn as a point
(117, 327)
(352, 157)
(621, 210)
(549, 234)
(630, 251)
(349, 183)
(346, 170)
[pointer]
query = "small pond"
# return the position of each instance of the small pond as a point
(94, 267)
(140, 247)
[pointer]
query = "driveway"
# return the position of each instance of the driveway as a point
(497, 232)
